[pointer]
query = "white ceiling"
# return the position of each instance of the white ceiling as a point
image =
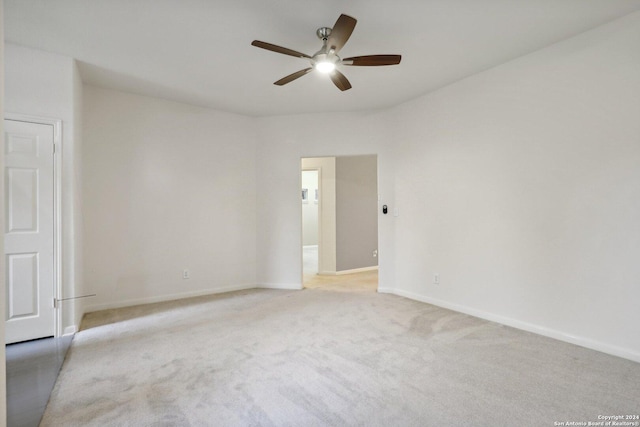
(199, 52)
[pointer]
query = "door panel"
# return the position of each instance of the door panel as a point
(29, 230)
(22, 200)
(23, 285)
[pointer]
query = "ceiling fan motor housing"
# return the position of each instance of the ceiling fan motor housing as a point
(323, 33)
(325, 59)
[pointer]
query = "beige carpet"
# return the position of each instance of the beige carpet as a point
(330, 355)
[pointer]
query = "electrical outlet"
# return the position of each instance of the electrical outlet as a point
(185, 274)
(375, 253)
(436, 279)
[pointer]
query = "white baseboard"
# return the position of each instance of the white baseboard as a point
(285, 286)
(518, 324)
(353, 271)
(163, 298)
(356, 270)
(70, 330)
(309, 246)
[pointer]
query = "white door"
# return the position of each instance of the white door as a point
(29, 230)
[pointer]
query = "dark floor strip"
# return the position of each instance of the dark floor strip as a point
(32, 370)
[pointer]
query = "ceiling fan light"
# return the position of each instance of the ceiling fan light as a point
(325, 66)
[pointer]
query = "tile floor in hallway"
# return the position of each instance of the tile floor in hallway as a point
(363, 281)
(32, 370)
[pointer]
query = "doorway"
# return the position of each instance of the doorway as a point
(339, 197)
(30, 230)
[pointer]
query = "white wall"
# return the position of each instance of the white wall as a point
(520, 186)
(76, 308)
(283, 141)
(47, 85)
(167, 187)
(3, 365)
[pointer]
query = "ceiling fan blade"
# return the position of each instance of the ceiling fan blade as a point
(292, 77)
(279, 49)
(372, 60)
(340, 80)
(341, 32)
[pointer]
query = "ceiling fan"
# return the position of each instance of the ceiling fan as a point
(326, 60)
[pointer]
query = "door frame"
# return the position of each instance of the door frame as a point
(57, 207)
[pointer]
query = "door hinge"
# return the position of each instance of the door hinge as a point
(54, 148)
(55, 303)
